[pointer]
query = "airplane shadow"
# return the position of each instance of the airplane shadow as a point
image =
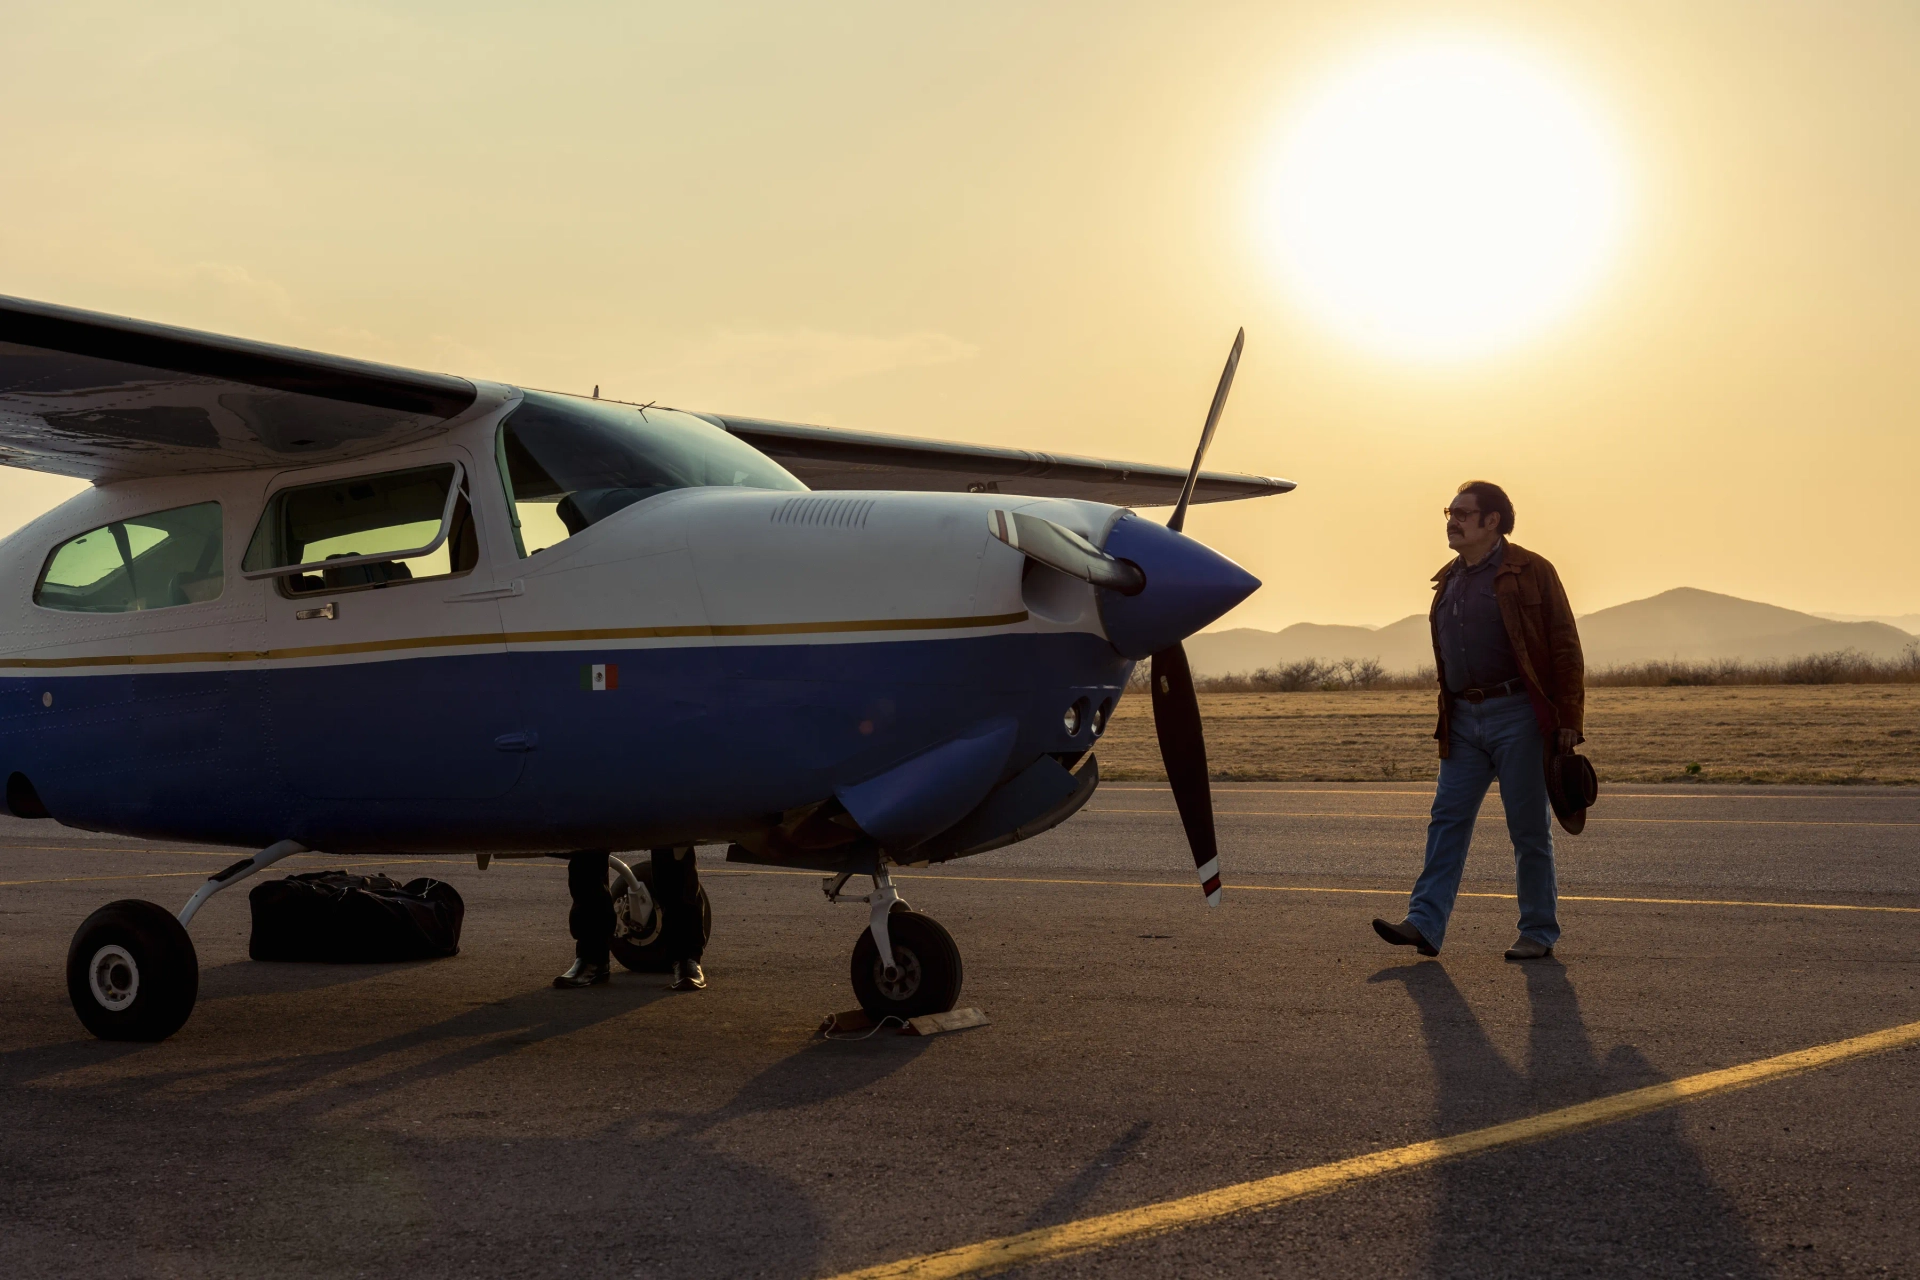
(1633, 1198)
(292, 1122)
(481, 1034)
(276, 977)
(819, 1072)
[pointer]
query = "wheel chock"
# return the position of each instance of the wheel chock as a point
(932, 1024)
(856, 1021)
(840, 1023)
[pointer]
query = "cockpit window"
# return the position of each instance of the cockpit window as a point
(571, 463)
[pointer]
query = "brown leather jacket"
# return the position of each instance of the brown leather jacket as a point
(1541, 629)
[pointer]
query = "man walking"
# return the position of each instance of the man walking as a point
(1512, 681)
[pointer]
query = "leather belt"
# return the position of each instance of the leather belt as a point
(1505, 689)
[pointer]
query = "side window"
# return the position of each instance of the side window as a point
(150, 562)
(394, 513)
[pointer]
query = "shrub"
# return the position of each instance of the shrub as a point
(1845, 666)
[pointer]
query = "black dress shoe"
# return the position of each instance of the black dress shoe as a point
(585, 973)
(1405, 935)
(687, 976)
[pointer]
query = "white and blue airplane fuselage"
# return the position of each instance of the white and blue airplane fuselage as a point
(316, 604)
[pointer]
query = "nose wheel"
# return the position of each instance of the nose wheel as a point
(925, 975)
(905, 964)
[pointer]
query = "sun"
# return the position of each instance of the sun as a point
(1444, 199)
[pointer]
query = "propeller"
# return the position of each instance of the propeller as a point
(1176, 707)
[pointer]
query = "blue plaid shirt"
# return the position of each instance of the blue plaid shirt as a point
(1475, 652)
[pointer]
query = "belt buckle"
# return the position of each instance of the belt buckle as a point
(1474, 696)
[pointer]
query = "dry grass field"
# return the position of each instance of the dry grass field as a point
(1743, 733)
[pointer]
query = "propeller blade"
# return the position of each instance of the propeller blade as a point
(1183, 749)
(1061, 548)
(1179, 520)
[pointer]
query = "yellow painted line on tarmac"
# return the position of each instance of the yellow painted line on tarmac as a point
(1421, 817)
(553, 865)
(174, 875)
(989, 1256)
(1390, 893)
(121, 848)
(149, 875)
(1724, 792)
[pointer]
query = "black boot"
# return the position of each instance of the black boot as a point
(585, 973)
(1405, 935)
(687, 976)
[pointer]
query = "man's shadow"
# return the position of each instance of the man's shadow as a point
(1632, 1198)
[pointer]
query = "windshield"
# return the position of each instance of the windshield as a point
(571, 463)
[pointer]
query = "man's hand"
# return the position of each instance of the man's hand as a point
(1566, 740)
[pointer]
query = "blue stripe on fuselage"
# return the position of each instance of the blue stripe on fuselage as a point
(695, 741)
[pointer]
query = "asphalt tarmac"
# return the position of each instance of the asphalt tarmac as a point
(461, 1118)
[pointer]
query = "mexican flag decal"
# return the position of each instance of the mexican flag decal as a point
(600, 677)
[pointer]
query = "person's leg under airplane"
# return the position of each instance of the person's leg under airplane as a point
(676, 887)
(590, 921)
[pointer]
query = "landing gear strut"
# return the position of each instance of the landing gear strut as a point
(639, 922)
(905, 964)
(132, 972)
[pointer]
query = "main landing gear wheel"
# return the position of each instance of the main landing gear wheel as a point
(926, 974)
(132, 973)
(636, 943)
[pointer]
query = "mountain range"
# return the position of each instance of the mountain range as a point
(1684, 623)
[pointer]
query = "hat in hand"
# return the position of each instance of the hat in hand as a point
(1572, 786)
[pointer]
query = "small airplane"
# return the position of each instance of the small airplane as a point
(314, 603)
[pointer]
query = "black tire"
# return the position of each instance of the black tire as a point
(132, 973)
(928, 965)
(639, 950)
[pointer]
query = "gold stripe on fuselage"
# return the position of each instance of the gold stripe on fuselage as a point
(523, 637)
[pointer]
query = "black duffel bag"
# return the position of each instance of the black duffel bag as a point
(340, 918)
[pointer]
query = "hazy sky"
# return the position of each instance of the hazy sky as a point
(1037, 225)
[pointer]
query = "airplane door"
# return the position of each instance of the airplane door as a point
(386, 675)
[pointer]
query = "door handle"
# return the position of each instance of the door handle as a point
(516, 742)
(507, 592)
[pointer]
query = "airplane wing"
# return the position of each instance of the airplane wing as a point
(107, 398)
(830, 458)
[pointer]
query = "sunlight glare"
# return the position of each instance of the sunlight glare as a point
(1443, 200)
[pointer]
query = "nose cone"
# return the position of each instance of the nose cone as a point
(1188, 586)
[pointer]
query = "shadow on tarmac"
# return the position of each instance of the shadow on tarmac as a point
(819, 1072)
(1633, 1198)
(282, 977)
(487, 1031)
(279, 1151)
(1065, 1203)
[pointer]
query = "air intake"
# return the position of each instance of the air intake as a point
(825, 513)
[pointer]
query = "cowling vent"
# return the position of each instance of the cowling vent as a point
(825, 513)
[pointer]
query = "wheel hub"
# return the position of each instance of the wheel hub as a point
(114, 977)
(904, 979)
(642, 932)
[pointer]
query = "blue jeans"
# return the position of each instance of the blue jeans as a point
(1500, 739)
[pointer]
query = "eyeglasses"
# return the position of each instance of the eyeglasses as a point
(1459, 512)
